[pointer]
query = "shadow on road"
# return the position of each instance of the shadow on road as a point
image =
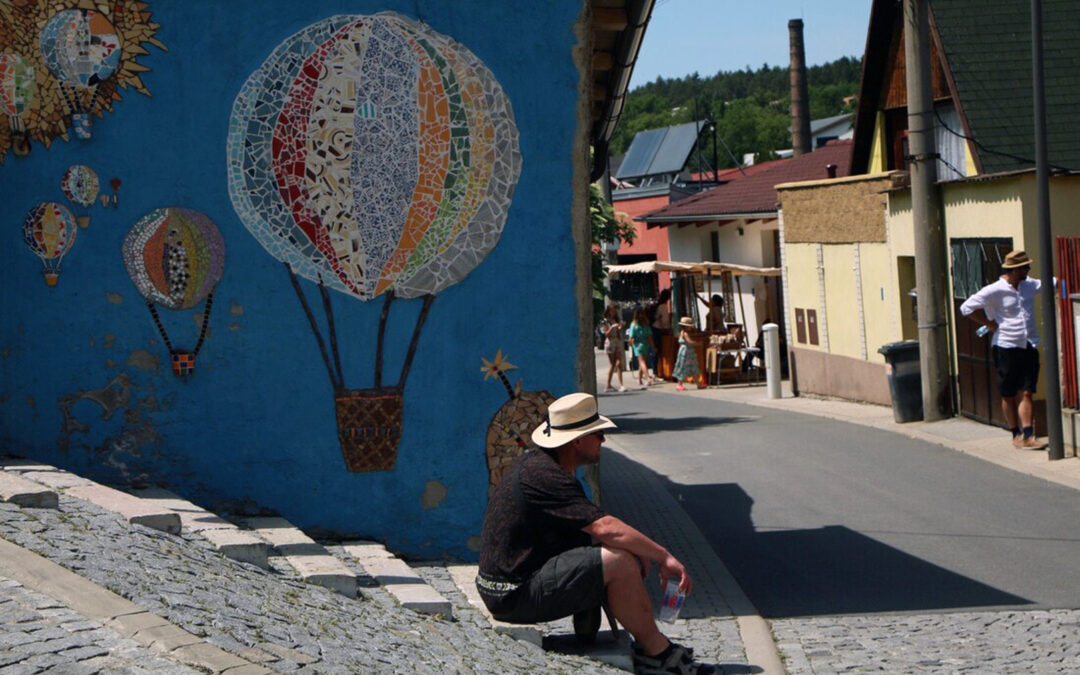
(825, 571)
(633, 423)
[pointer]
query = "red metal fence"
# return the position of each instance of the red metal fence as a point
(1068, 264)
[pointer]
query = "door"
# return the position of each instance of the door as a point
(976, 263)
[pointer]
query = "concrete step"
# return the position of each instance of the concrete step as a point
(400, 580)
(464, 577)
(311, 561)
(225, 537)
(135, 510)
(555, 636)
(25, 493)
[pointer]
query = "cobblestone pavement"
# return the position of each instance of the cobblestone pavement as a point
(966, 642)
(263, 616)
(37, 633)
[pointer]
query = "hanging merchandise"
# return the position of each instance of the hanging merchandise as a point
(49, 231)
(175, 258)
(80, 186)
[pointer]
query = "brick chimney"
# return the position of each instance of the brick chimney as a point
(800, 99)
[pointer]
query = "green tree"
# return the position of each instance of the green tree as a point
(607, 226)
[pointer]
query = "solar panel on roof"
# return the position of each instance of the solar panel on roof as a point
(659, 151)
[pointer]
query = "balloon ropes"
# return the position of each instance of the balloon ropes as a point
(17, 90)
(49, 231)
(80, 185)
(373, 156)
(81, 49)
(175, 258)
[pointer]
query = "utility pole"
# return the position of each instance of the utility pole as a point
(930, 264)
(1056, 448)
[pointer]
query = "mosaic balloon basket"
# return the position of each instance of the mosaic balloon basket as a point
(369, 427)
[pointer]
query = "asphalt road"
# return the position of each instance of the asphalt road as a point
(819, 517)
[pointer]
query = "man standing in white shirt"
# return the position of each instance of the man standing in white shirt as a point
(1007, 308)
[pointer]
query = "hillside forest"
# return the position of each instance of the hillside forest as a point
(752, 108)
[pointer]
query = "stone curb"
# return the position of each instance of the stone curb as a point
(226, 538)
(312, 562)
(22, 492)
(133, 509)
(394, 575)
(616, 653)
(126, 618)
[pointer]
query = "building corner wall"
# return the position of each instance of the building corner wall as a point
(579, 208)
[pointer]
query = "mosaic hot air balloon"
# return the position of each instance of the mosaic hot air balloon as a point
(49, 231)
(175, 258)
(81, 49)
(17, 90)
(373, 156)
(80, 186)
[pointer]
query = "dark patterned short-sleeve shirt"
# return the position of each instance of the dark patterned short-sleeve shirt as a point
(523, 530)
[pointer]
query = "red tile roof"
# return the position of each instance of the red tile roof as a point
(755, 193)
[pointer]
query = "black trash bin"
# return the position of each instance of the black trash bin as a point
(905, 379)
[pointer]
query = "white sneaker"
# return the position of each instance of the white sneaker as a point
(621, 388)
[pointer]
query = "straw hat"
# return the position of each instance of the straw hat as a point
(570, 417)
(686, 322)
(1016, 259)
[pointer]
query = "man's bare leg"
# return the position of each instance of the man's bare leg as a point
(1025, 409)
(629, 601)
(1009, 409)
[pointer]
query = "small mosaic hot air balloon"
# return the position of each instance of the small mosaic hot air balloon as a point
(373, 156)
(81, 49)
(49, 231)
(17, 90)
(175, 258)
(509, 433)
(80, 186)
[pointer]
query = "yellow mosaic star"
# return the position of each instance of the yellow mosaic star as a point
(499, 365)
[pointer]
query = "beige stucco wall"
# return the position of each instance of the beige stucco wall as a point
(841, 302)
(879, 311)
(803, 290)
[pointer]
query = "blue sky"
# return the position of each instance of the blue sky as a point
(708, 36)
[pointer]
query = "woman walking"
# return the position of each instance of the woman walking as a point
(641, 343)
(613, 329)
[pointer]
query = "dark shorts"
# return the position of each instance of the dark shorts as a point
(570, 582)
(1017, 369)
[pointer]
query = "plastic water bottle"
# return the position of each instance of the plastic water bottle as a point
(983, 330)
(673, 602)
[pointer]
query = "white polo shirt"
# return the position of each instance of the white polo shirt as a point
(1012, 308)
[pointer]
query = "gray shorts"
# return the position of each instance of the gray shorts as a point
(570, 582)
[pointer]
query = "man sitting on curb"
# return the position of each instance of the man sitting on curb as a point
(536, 559)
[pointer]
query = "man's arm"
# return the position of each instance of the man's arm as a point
(614, 533)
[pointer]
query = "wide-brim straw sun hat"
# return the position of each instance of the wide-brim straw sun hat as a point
(570, 417)
(686, 321)
(1016, 259)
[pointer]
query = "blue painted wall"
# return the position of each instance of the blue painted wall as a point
(255, 425)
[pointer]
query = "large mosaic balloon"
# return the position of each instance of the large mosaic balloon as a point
(371, 153)
(17, 90)
(373, 156)
(81, 49)
(49, 231)
(175, 258)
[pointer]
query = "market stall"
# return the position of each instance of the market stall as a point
(721, 338)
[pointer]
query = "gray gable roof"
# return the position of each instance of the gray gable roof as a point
(987, 46)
